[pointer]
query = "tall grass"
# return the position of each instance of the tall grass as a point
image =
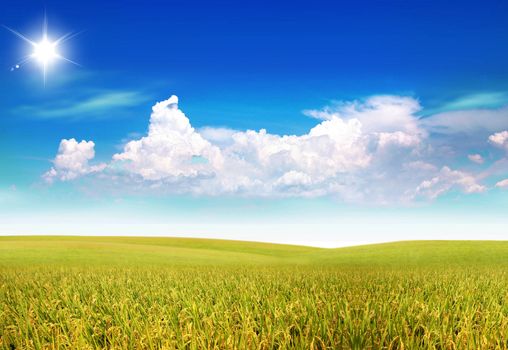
(252, 306)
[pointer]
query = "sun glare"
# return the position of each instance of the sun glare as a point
(45, 52)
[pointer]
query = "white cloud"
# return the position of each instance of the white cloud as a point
(260, 163)
(359, 151)
(170, 147)
(398, 138)
(445, 180)
(500, 139)
(72, 161)
(374, 151)
(254, 162)
(293, 178)
(502, 183)
(218, 136)
(377, 114)
(476, 158)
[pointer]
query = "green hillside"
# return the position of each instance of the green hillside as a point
(127, 251)
(75, 250)
(175, 293)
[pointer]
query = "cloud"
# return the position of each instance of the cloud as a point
(247, 160)
(71, 161)
(502, 183)
(500, 139)
(445, 180)
(167, 152)
(475, 158)
(218, 136)
(398, 138)
(420, 166)
(483, 100)
(93, 106)
(361, 151)
(467, 121)
(377, 114)
(373, 151)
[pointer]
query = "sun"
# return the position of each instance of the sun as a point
(45, 52)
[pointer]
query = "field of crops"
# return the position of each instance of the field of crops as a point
(166, 293)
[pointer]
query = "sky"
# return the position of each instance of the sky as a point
(329, 123)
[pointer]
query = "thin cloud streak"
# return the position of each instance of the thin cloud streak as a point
(94, 106)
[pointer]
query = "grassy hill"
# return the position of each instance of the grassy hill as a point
(175, 293)
(32, 250)
(75, 250)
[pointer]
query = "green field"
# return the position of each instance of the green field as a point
(166, 293)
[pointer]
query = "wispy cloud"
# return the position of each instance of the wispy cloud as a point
(468, 121)
(97, 105)
(482, 100)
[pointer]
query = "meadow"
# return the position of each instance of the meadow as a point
(173, 293)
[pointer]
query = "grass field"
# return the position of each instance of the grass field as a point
(165, 293)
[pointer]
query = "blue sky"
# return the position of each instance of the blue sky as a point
(427, 79)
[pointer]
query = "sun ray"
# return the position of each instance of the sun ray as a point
(66, 37)
(69, 60)
(45, 26)
(18, 34)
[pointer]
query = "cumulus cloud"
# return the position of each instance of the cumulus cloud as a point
(358, 151)
(476, 158)
(170, 147)
(374, 151)
(218, 136)
(72, 160)
(391, 118)
(502, 183)
(500, 139)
